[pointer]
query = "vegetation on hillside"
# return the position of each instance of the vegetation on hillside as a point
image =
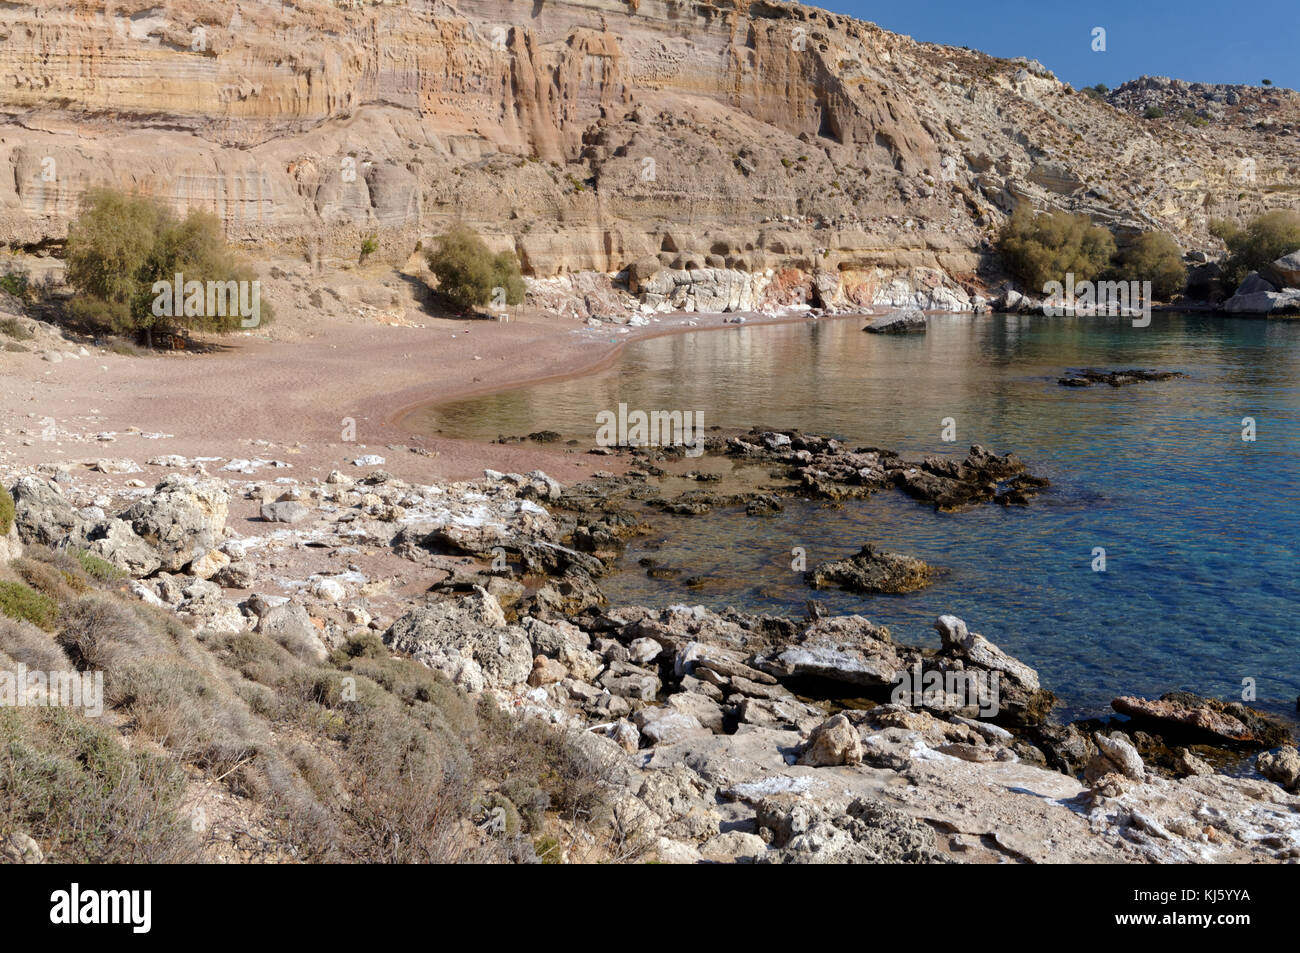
(469, 275)
(121, 246)
(1153, 257)
(1042, 248)
(1257, 245)
(241, 749)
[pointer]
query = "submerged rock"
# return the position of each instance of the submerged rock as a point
(871, 571)
(1088, 377)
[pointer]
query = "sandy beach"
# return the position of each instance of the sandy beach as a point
(291, 397)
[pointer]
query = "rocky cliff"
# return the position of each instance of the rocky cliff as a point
(591, 135)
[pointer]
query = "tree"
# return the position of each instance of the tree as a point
(1154, 257)
(1042, 248)
(469, 275)
(124, 256)
(1259, 244)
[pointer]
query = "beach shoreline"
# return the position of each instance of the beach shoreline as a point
(301, 398)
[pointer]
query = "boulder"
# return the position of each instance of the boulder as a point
(1115, 755)
(1254, 283)
(115, 541)
(834, 742)
(209, 564)
(284, 511)
(666, 726)
(546, 671)
(291, 627)
(182, 519)
(901, 322)
(703, 709)
(42, 513)
(468, 640)
(1207, 719)
(845, 649)
(1282, 766)
(630, 681)
(1287, 270)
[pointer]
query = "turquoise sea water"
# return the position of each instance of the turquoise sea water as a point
(1202, 581)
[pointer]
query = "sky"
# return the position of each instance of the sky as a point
(1195, 40)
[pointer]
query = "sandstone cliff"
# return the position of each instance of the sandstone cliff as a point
(594, 134)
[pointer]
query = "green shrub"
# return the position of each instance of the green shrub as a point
(1042, 248)
(1259, 244)
(6, 510)
(1154, 257)
(120, 245)
(15, 283)
(368, 247)
(1153, 112)
(98, 569)
(468, 273)
(23, 602)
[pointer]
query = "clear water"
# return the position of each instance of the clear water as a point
(1199, 527)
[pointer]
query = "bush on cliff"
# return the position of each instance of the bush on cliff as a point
(1154, 257)
(1259, 244)
(121, 246)
(469, 275)
(1042, 248)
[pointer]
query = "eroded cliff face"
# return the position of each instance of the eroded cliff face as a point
(588, 134)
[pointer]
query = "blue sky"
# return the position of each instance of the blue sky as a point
(1193, 39)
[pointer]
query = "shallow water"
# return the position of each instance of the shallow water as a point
(1201, 588)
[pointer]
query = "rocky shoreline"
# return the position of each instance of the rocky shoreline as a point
(728, 736)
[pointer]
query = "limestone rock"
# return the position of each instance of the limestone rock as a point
(833, 742)
(468, 640)
(182, 519)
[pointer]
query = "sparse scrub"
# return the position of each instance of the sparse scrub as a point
(367, 758)
(45, 579)
(1042, 248)
(1154, 257)
(13, 328)
(69, 783)
(6, 510)
(99, 569)
(16, 283)
(25, 643)
(1259, 244)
